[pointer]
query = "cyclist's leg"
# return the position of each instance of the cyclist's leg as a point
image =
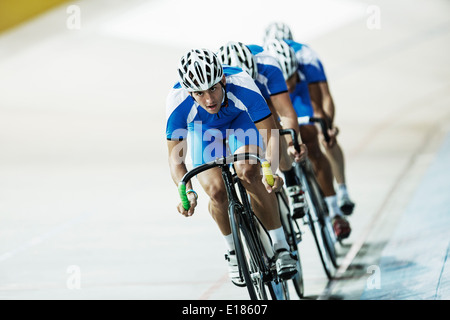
(264, 204)
(301, 102)
(211, 181)
(321, 165)
(335, 154)
(265, 207)
(246, 138)
(243, 136)
(293, 187)
(203, 150)
(324, 175)
(206, 145)
(336, 157)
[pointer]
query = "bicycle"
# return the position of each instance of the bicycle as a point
(253, 246)
(316, 210)
(293, 237)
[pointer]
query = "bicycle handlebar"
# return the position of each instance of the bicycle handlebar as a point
(293, 136)
(222, 161)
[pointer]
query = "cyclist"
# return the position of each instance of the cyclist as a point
(297, 84)
(266, 72)
(211, 104)
(320, 98)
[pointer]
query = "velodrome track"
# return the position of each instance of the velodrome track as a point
(87, 205)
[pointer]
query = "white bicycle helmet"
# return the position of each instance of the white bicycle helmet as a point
(277, 30)
(237, 54)
(285, 56)
(199, 70)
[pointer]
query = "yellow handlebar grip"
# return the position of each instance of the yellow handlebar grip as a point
(267, 172)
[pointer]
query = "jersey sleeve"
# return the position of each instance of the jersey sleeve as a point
(269, 73)
(178, 108)
(312, 66)
(246, 96)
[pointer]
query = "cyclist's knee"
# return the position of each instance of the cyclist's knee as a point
(249, 173)
(217, 194)
(310, 137)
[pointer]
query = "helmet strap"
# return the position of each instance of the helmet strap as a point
(225, 99)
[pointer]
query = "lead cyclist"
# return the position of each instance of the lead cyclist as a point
(210, 104)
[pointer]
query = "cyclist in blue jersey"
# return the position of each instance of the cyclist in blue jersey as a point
(220, 109)
(321, 99)
(293, 72)
(268, 76)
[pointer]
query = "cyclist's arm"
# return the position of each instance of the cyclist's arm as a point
(323, 107)
(176, 150)
(328, 103)
(327, 100)
(265, 127)
(288, 117)
(283, 106)
(316, 96)
(177, 154)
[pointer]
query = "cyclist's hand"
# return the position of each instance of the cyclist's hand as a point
(193, 204)
(332, 133)
(298, 156)
(277, 184)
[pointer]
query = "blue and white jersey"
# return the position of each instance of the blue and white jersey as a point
(182, 112)
(270, 80)
(310, 66)
(310, 70)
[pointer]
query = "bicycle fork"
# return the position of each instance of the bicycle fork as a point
(247, 222)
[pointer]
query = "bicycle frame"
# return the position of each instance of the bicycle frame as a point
(247, 217)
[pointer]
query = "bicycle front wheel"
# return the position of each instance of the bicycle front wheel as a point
(317, 228)
(248, 268)
(293, 237)
(326, 228)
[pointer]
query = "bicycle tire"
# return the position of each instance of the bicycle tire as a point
(291, 237)
(258, 239)
(329, 242)
(244, 269)
(250, 257)
(316, 226)
(322, 212)
(278, 288)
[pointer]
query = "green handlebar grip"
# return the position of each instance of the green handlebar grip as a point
(183, 196)
(267, 172)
